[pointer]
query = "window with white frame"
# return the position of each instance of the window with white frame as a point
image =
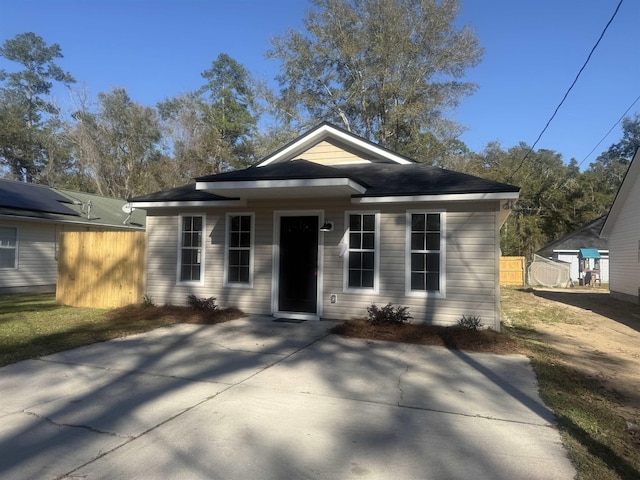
(239, 254)
(425, 253)
(191, 249)
(362, 255)
(9, 247)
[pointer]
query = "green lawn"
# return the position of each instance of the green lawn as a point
(32, 325)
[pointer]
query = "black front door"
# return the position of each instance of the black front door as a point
(298, 264)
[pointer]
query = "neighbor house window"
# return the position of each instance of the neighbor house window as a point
(425, 261)
(361, 264)
(239, 254)
(8, 247)
(191, 249)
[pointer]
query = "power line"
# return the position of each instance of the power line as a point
(567, 93)
(610, 130)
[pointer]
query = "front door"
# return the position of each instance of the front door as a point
(298, 272)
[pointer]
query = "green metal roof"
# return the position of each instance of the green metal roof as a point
(42, 203)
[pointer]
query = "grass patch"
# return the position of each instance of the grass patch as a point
(33, 325)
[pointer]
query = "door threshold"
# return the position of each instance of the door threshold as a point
(296, 316)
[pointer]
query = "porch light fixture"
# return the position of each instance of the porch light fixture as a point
(327, 227)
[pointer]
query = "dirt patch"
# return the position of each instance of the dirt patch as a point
(596, 335)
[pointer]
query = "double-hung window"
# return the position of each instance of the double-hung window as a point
(239, 254)
(191, 249)
(8, 247)
(361, 264)
(425, 272)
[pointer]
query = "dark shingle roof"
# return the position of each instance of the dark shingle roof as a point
(298, 169)
(185, 193)
(587, 236)
(388, 179)
(32, 197)
(380, 179)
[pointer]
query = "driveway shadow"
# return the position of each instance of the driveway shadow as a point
(603, 304)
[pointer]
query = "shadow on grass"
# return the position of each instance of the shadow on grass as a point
(606, 454)
(625, 313)
(25, 303)
(116, 323)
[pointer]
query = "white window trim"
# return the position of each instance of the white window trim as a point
(16, 248)
(227, 283)
(202, 249)
(442, 293)
(376, 255)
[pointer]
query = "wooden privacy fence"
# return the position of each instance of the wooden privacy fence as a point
(512, 271)
(101, 269)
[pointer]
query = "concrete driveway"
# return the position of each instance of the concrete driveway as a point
(257, 399)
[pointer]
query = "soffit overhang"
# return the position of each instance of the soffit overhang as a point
(285, 188)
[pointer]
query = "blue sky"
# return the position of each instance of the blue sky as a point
(533, 50)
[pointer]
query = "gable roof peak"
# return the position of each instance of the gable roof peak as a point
(327, 131)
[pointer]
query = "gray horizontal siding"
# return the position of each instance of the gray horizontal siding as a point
(37, 265)
(470, 261)
(470, 266)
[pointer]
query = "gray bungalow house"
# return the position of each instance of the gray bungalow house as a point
(584, 250)
(326, 226)
(32, 217)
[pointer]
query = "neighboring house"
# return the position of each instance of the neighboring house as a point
(326, 226)
(31, 220)
(622, 228)
(584, 250)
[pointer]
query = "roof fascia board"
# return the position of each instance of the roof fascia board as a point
(253, 184)
(193, 203)
(325, 131)
(452, 197)
(630, 178)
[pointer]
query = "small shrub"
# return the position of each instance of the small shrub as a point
(472, 323)
(388, 315)
(204, 304)
(147, 301)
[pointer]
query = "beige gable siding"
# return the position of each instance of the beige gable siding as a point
(331, 152)
(37, 265)
(624, 249)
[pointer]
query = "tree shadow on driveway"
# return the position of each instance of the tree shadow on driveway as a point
(233, 400)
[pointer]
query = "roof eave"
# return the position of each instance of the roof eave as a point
(188, 203)
(445, 197)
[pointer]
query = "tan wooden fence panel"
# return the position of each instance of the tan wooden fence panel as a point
(101, 269)
(512, 271)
